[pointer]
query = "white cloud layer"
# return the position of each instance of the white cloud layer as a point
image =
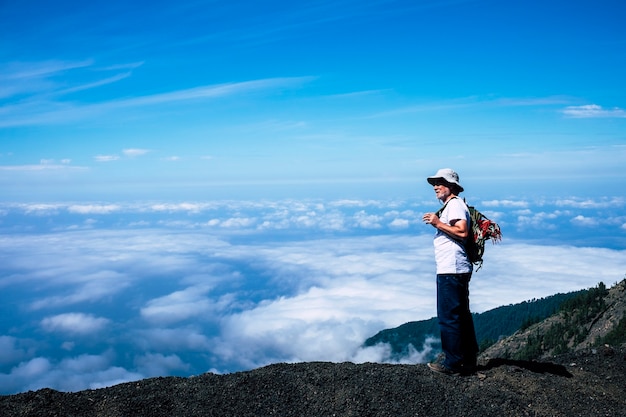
(231, 286)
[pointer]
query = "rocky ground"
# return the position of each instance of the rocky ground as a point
(588, 383)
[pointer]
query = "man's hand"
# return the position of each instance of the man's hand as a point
(457, 229)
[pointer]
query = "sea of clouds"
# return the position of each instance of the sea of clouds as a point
(95, 294)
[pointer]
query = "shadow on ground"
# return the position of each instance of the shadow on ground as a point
(537, 367)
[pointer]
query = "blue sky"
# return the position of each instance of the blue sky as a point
(107, 99)
(211, 185)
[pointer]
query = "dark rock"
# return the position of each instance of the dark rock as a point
(577, 384)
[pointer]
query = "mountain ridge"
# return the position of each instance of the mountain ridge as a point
(588, 321)
(491, 325)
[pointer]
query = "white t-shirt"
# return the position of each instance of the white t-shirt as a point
(450, 254)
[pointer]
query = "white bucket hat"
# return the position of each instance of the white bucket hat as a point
(447, 175)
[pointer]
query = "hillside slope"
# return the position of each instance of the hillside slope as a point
(490, 325)
(589, 321)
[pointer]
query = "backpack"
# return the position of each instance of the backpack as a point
(481, 229)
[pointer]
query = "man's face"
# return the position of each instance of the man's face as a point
(442, 191)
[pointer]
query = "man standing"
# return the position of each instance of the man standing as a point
(454, 271)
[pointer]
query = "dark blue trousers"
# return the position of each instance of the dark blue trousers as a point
(458, 338)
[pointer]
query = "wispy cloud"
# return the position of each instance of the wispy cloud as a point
(129, 153)
(476, 101)
(157, 364)
(211, 91)
(95, 84)
(34, 92)
(44, 109)
(93, 208)
(591, 111)
(47, 166)
(132, 152)
(87, 286)
(180, 305)
(39, 79)
(77, 323)
(505, 203)
(106, 158)
(70, 374)
(585, 221)
(116, 67)
(32, 70)
(591, 203)
(532, 101)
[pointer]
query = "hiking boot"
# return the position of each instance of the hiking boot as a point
(437, 367)
(440, 358)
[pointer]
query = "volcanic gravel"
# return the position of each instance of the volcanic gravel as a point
(589, 383)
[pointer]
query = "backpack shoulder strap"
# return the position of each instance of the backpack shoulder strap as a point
(438, 212)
